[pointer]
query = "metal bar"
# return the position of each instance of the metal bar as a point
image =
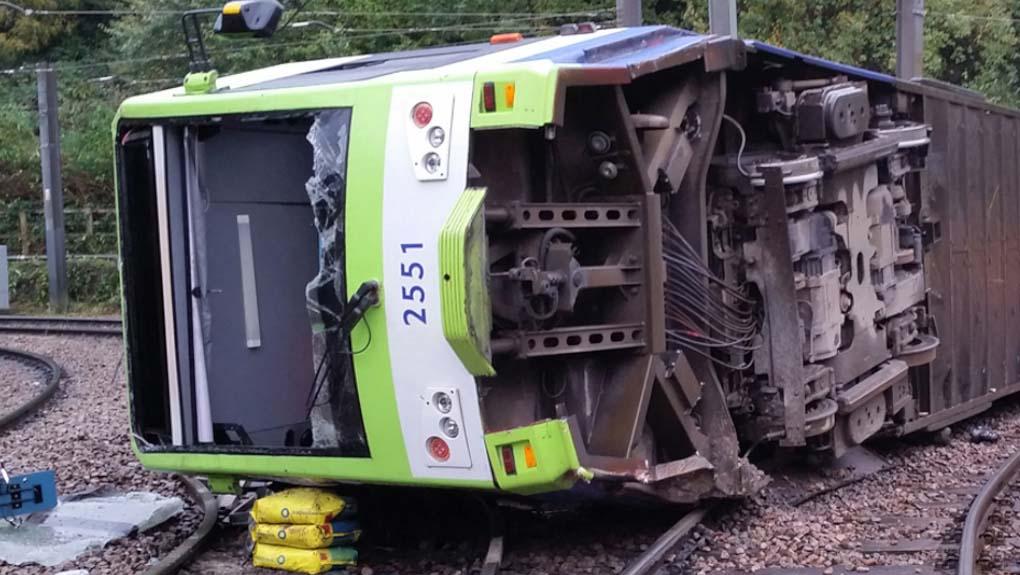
(909, 39)
(650, 559)
(608, 276)
(722, 17)
(53, 187)
(249, 291)
(159, 163)
(568, 340)
(781, 300)
(978, 512)
(620, 417)
(544, 215)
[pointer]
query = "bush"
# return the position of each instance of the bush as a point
(93, 285)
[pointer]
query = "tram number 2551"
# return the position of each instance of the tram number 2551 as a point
(412, 294)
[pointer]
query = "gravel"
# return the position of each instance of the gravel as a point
(443, 533)
(18, 383)
(82, 434)
(923, 495)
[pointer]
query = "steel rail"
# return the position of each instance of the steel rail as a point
(181, 554)
(648, 561)
(978, 513)
(52, 383)
(60, 325)
(188, 548)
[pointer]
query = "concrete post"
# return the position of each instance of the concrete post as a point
(722, 17)
(5, 294)
(909, 39)
(628, 12)
(53, 187)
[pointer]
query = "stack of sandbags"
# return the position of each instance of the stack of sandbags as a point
(304, 530)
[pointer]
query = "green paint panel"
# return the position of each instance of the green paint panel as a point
(556, 464)
(388, 461)
(200, 82)
(534, 105)
(464, 297)
(534, 96)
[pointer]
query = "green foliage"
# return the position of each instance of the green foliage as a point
(92, 283)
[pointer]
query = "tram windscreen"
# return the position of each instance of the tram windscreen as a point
(253, 218)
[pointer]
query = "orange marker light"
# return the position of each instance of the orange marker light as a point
(508, 38)
(529, 456)
(509, 92)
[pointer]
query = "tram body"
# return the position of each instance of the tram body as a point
(614, 257)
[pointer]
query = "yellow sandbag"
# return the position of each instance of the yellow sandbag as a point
(311, 561)
(301, 506)
(306, 536)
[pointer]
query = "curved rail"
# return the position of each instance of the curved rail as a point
(60, 325)
(52, 383)
(978, 513)
(648, 561)
(184, 552)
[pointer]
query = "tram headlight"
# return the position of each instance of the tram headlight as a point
(442, 401)
(449, 427)
(437, 136)
(431, 162)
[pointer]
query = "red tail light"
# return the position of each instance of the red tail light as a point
(489, 97)
(421, 114)
(438, 449)
(509, 465)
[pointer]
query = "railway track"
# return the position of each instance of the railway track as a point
(977, 515)
(43, 374)
(68, 325)
(28, 403)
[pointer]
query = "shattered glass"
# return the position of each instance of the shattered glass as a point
(335, 411)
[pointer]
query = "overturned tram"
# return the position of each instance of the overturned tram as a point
(607, 261)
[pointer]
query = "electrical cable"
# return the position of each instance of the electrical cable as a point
(317, 382)
(705, 314)
(336, 13)
(293, 15)
(354, 33)
(743, 142)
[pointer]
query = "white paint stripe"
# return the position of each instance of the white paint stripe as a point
(414, 212)
(245, 79)
(523, 51)
(159, 159)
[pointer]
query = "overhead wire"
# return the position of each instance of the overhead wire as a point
(353, 33)
(26, 11)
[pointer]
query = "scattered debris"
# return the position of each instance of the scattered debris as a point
(79, 524)
(983, 434)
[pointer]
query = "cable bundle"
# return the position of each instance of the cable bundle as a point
(703, 313)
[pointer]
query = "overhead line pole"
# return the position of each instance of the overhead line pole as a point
(628, 12)
(909, 39)
(722, 17)
(53, 187)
